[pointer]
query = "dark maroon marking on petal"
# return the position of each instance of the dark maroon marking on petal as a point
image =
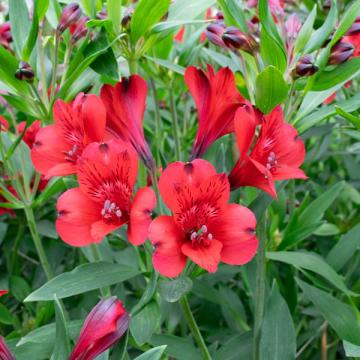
(189, 168)
(104, 147)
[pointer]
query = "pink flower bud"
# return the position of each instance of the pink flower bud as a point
(5, 353)
(355, 27)
(214, 33)
(305, 66)
(70, 15)
(341, 52)
(235, 39)
(24, 72)
(79, 30)
(292, 27)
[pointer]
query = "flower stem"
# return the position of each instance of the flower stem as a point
(184, 303)
(56, 60)
(260, 286)
(37, 242)
(157, 120)
(105, 292)
(175, 125)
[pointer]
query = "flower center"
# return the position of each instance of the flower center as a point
(271, 162)
(71, 155)
(111, 211)
(201, 237)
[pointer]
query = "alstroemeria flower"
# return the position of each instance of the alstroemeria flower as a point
(57, 147)
(103, 327)
(5, 35)
(4, 124)
(103, 201)
(5, 353)
(216, 99)
(3, 292)
(277, 154)
(203, 227)
(125, 106)
(30, 132)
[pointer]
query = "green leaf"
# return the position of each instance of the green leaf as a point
(62, 342)
(55, 185)
(5, 315)
(19, 288)
(82, 279)
(340, 74)
(346, 21)
(238, 344)
(351, 350)
(233, 14)
(152, 354)
(114, 11)
(147, 13)
(173, 290)
(168, 65)
(339, 315)
(344, 249)
(305, 32)
(355, 120)
(177, 347)
(271, 89)
(20, 23)
(327, 229)
(278, 338)
(145, 322)
(41, 7)
(31, 39)
(312, 262)
(174, 24)
(318, 38)
(188, 9)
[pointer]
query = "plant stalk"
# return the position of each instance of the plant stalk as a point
(260, 287)
(105, 292)
(175, 125)
(184, 303)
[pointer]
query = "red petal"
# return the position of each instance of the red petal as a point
(236, 231)
(67, 118)
(100, 229)
(185, 175)
(167, 238)
(287, 172)
(5, 353)
(206, 257)
(94, 118)
(76, 214)
(48, 152)
(140, 215)
(104, 165)
(245, 125)
(3, 292)
(105, 324)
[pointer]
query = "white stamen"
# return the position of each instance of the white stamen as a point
(193, 235)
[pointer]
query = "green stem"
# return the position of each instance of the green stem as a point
(105, 292)
(184, 303)
(157, 192)
(19, 236)
(37, 242)
(56, 60)
(157, 121)
(42, 68)
(175, 125)
(132, 65)
(260, 286)
(66, 63)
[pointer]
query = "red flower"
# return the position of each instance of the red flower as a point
(216, 99)
(102, 203)
(30, 132)
(103, 327)
(3, 292)
(277, 154)
(4, 125)
(5, 353)
(5, 35)
(203, 227)
(125, 105)
(57, 147)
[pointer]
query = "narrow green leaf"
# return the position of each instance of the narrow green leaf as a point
(145, 322)
(318, 38)
(188, 9)
(355, 120)
(168, 64)
(147, 13)
(233, 14)
(238, 344)
(305, 32)
(271, 89)
(278, 338)
(82, 279)
(152, 354)
(5, 315)
(31, 39)
(41, 7)
(344, 249)
(339, 315)
(62, 342)
(173, 290)
(351, 350)
(114, 11)
(312, 262)
(55, 186)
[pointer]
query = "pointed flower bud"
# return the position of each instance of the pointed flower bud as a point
(355, 27)
(103, 327)
(305, 66)
(341, 52)
(5, 353)
(214, 33)
(235, 39)
(24, 72)
(125, 21)
(79, 30)
(70, 15)
(292, 27)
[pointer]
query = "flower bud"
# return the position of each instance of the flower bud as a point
(219, 15)
(214, 33)
(292, 27)
(24, 72)
(102, 15)
(125, 21)
(5, 353)
(79, 30)
(70, 15)
(235, 39)
(305, 66)
(5, 35)
(355, 27)
(340, 53)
